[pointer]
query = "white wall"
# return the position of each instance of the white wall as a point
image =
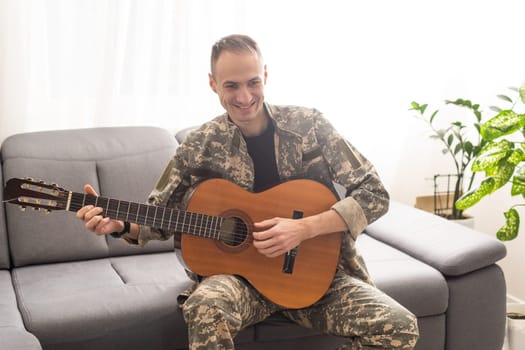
(360, 62)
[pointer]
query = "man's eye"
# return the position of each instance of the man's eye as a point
(230, 86)
(254, 83)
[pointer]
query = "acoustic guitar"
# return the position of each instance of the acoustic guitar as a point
(217, 231)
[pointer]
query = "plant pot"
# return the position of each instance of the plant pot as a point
(516, 326)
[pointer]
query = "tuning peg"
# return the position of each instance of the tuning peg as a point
(36, 209)
(22, 208)
(41, 182)
(30, 179)
(47, 211)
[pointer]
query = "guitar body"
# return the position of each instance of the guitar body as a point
(315, 260)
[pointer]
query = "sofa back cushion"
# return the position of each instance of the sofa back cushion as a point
(120, 162)
(4, 251)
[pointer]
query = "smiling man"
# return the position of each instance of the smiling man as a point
(257, 146)
(242, 99)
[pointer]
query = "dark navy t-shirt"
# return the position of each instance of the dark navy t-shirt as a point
(261, 149)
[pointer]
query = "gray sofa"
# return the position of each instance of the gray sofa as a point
(65, 288)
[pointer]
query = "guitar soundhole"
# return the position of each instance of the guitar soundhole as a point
(233, 231)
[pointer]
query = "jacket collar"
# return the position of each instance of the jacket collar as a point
(272, 112)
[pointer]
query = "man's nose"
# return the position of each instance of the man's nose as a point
(244, 95)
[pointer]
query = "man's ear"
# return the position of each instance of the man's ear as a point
(212, 82)
(265, 74)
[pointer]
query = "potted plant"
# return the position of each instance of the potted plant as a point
(502, 160)
(461, 142)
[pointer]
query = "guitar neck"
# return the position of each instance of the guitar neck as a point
(149, 215)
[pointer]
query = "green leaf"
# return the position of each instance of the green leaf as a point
(490, 155)
(518, 187)
(477, 114)
(518, 181)
(472, 197)
(506, 122)
(522, 92)
(457, 148)
(417, 107)
(477, 126)
(450, 139)
(510, 230)
(460, 102)
(469, 147)
(517, 156)
(433, 116)
(502, 173)
(495, 109)
(505, 98)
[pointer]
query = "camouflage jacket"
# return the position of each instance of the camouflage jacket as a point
(306, 146)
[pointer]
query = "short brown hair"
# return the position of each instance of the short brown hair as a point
(233, 43)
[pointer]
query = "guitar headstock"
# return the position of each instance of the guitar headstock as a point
(35, 194)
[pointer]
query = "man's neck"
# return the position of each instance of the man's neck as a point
(255, 127)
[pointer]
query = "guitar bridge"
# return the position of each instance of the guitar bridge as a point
(289, 258)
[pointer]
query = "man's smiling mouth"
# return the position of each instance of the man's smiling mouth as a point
(245, 107)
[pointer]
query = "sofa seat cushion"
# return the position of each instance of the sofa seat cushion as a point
(18, 338)
(13, 335)
(417, 286)
(81, 301)
(279, 328)
(10, 316)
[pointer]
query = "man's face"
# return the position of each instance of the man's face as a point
(239, 81)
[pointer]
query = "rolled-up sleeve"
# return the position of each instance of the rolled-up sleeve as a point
(352, 214)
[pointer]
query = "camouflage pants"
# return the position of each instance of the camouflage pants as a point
(223, 305)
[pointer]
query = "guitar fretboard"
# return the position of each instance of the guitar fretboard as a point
(164, 218)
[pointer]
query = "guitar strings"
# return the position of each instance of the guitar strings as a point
(240, 234)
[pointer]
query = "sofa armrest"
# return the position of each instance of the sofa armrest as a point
(451, 248)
